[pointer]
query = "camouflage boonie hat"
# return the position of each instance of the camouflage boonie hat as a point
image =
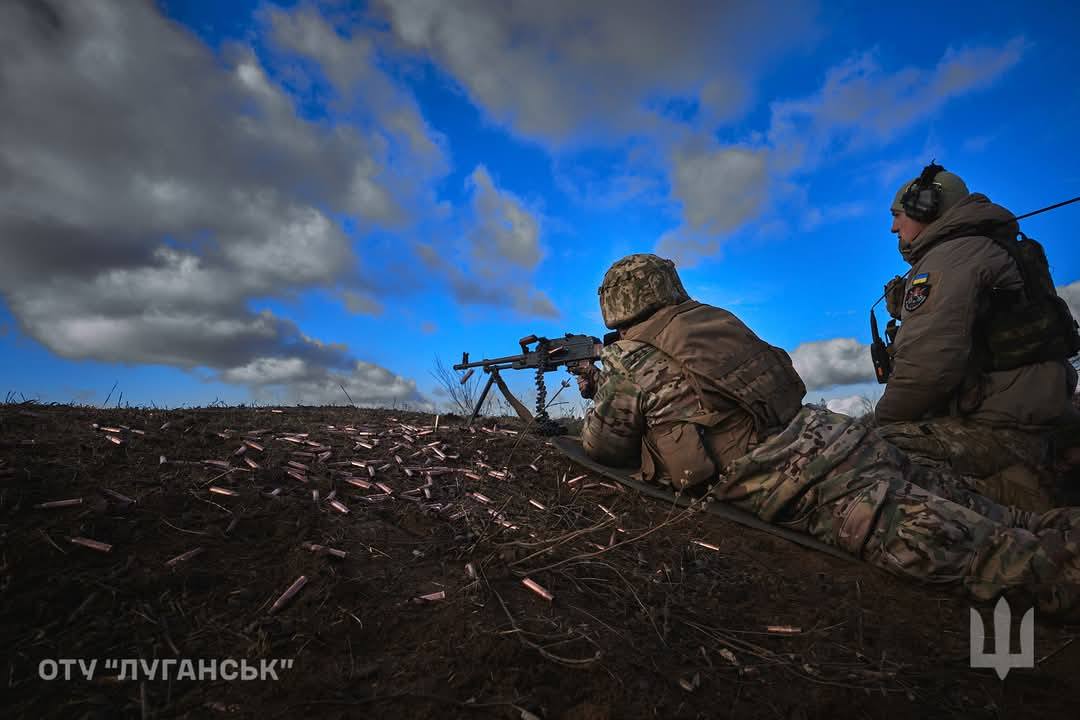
(637, 286)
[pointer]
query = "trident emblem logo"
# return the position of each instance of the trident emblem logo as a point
(1002, 659)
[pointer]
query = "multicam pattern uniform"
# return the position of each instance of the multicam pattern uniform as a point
(834, 478)
(1002, 463)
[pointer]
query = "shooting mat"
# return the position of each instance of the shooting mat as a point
(571, 448)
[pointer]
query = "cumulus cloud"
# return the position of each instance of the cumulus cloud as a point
(563, 69)
(160, 189)
(367, 385)
(492, 265)
(853, 405)
(860, 104)
(1071, 294)
(839, 361)
(719, 188)
(505, 230)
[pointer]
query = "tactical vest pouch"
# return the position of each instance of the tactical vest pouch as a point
(1033, 326)
(1030, 332)
(681, 450)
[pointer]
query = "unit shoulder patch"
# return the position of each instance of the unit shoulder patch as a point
(916, 296)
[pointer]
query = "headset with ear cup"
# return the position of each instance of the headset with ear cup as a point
(922, 200)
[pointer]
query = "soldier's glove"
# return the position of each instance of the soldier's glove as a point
(588, 379)
(894, 296)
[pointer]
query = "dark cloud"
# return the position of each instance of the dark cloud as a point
(152, 189)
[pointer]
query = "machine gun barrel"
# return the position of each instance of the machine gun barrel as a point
(575, 352)
(548, 354)
(502, 363)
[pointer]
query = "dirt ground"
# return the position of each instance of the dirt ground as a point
(656, 611)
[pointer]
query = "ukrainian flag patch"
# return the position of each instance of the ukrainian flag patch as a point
(921, 279)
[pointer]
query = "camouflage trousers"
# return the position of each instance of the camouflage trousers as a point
(1004, 464)
(834, 478)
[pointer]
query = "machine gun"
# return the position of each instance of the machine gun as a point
(574, 352)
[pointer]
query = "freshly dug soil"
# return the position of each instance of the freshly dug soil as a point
(655, 611)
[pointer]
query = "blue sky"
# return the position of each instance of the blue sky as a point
(255, 201)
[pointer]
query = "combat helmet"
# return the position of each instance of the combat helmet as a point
(636, 286)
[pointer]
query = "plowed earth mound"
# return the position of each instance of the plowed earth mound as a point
(656, 611)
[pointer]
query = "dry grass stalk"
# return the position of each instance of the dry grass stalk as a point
(339, 506)
(223, 491)
(704, 544)
(288, 594)
(254, 445)
(783, 630)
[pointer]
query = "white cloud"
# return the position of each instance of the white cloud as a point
(267, 371)
(860, 103)
(853, 405)
(493, 262)
(720, 187)
(368, 385)
(505, 230)
(562, 69)
(839, 361)
(1071, 294)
